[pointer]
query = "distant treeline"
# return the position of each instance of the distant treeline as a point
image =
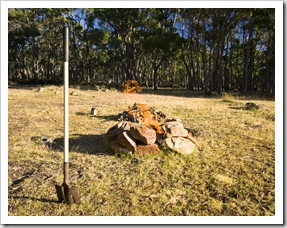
(198, 49)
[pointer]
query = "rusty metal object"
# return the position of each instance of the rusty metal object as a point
(65, 193)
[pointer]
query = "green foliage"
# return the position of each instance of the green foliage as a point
(202, 49)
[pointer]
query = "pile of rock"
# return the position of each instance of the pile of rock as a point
(142, 113)
(132, 138)
(176, 137)
(140, 137)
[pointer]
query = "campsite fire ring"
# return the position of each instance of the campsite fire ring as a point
(143, 130)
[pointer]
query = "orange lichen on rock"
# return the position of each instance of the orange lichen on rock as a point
(132, 86)
(143, 114)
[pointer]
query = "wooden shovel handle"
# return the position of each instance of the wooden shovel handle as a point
(66, 172)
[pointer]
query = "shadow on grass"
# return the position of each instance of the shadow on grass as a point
(107, 117)
(82, 114)
(44, 200)
(243, 108)
(238, 108)
(181, 92)
(86, 144)
(25, 87)
(177, 93)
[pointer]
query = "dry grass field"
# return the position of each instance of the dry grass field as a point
(231, 173)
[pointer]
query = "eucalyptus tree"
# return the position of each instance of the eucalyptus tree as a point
(209, 49)
(123, 26)
(52, 42)
(265, 27)
(161, 40)
(23, 48)
(35, 41)
(193, 33)
(253, 44)
(221, 24)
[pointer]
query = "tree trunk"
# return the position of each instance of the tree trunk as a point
(155, 71)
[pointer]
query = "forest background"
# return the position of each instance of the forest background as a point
(210, 50)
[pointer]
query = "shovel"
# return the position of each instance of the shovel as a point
(65, 193)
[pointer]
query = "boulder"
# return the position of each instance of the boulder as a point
(143, 134)
(180, 145)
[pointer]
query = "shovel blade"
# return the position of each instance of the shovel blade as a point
(68, 194)
(60, 193)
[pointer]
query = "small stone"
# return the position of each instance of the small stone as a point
(147, 149)
(143, 134)
(94, 111)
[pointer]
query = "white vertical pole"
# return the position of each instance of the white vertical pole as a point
(66, 94)
(66, 114)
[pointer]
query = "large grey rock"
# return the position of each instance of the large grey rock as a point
(180, 145)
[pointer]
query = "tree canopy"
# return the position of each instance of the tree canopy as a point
(212, 50)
